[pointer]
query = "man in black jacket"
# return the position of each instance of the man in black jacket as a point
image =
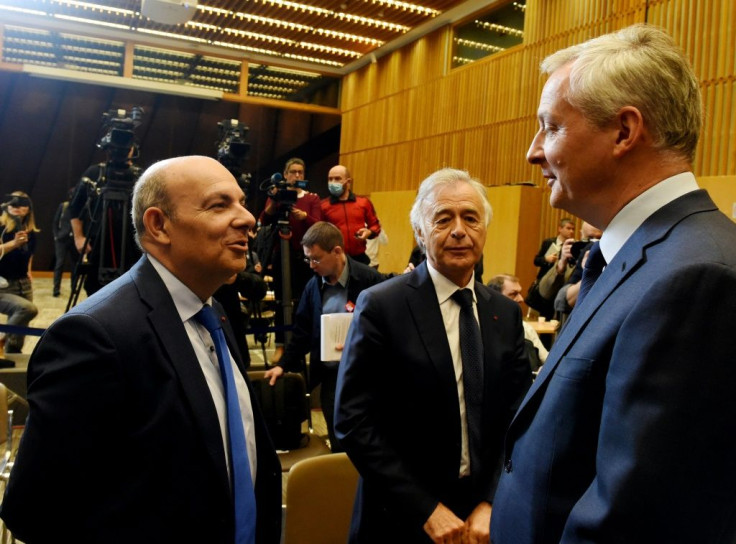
(338, 281)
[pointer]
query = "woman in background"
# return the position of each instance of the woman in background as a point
(16, 253)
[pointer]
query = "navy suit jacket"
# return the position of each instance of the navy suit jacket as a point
(307, 320)
(397, 411)
(628, 433)
(123, 443)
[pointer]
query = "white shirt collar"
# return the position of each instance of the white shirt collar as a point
(444, 287)
(186, 302)
(631, 216)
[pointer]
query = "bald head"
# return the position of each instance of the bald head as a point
(189, 213)
(339, 181)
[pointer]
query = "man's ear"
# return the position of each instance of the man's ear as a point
(157, 225)
(630, 130)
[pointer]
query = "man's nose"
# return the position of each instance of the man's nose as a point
(535, 154)
(458, 228)
(245, 218)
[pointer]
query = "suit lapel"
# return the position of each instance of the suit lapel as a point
(631, 256)
(176, 345)
(422, 301)
(488, 329)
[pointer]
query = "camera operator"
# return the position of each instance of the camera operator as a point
(302, 213)
(559, 273)
(16, 254)
(84, 210)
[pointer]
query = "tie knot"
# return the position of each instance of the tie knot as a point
(595, 261)
(207, 317)
(464, 297)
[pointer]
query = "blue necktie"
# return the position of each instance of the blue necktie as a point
(471, 350)
(591, 272)
(243, 493)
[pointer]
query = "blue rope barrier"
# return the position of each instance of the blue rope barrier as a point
(25, 331)
(32, 331)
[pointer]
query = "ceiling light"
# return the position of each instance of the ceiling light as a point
(169, 12)
(90, 21)
(297, 6)
(372, 22)
(479, 45)
(331, 50)
(171, 35)
(120, 82)
(312, 59)
(501, 29)
(406, 6)
(25, 11)
(94, 7)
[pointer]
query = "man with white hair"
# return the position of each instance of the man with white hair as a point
(434, 367)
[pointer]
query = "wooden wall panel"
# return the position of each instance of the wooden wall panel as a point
(393, 209)
(722, 190)
(482, 117)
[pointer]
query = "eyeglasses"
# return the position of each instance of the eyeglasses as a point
(309, 260)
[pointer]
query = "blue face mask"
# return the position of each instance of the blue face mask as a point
(336, 189)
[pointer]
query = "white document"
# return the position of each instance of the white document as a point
(334, 331)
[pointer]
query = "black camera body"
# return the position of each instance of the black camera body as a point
(576, 251)
(233, 148)
(282, 192)
(119, 127)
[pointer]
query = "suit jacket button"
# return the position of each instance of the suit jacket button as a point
(509, 465)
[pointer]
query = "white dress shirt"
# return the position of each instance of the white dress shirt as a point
(631, 216)
(187, 305)
(451, 317)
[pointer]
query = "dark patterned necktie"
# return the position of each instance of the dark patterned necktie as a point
(243, 493)
(471, 351)
(592, 270)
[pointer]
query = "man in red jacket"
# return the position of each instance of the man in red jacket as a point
(353, 215)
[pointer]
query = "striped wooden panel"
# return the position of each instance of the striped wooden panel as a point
(408, 114)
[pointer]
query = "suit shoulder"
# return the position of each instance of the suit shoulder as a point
(389, 288)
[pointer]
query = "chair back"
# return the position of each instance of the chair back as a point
(320, 492)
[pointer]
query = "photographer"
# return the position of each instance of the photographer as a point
(568, 294)
(302, 213)
(16, 253)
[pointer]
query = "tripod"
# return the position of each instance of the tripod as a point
(107, 234)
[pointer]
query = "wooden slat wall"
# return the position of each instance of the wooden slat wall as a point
(406, 115)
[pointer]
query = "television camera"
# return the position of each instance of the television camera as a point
(118, 141)
(285, 196)
(108, 189)
(232, 149)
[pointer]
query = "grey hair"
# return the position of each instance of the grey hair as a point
(638, 66)
(427, 192)
(149, 192)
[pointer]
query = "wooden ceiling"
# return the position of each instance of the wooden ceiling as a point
(321, 34)
(295, 50)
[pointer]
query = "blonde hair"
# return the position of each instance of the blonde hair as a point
(8, 222)
(638, 66)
